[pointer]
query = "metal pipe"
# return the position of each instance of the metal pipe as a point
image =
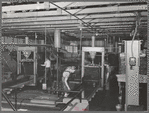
(35, 38)
(15, 91)
(9, 102)
(57, 45)
(65, 91)
(81, 97)
(80, 42)
(57, 69)
(45, 57)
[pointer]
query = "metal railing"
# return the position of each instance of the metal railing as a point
(79, 93)
(9, 102)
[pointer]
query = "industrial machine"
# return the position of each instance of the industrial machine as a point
(132, 74)
(93, 71)
(27, 56)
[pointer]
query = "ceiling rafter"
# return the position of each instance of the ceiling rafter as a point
(104, 17)
(98, 21)
(82, 22)
(99, 16)
(72, 11)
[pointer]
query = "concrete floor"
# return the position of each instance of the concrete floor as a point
(106, 100)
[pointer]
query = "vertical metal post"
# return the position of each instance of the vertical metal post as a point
(80, 97)
(83, 58)
(15, 98)
(105, 42)
(35, 65)
(113, 43)
(82, 93)
(45, 57)
(80, 42)
(18, 61)
(102, 70)
(35, 38)
(57, 69)
(57, 43)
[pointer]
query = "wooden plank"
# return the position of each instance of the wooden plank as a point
(47, 26)
(24, 7)
(61, 4)
(103, 17)
(72, 11)
(78, 4)
(69, 22)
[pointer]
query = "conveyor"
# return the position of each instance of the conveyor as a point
(33, 98)
(29, 99)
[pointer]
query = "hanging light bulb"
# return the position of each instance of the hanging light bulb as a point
(97, 34)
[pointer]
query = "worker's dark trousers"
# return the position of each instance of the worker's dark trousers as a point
(113, 84)
(49, 77)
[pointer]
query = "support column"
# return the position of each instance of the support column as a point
(102, 70)
(57, 44)
(57, 39)
(35, 65)
(18, 62)
(93, 41)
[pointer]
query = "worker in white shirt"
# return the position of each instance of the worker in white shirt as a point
(65, 76)
(48, 72)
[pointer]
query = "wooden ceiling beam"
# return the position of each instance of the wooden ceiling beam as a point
(73, 11)
(68, 17)
(61, 4)
(67, 23)
(25, 7)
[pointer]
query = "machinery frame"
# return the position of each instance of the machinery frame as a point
(34, 60)
(93, 49)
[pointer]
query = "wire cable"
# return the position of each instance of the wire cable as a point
(133, 39)
(135, 32)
